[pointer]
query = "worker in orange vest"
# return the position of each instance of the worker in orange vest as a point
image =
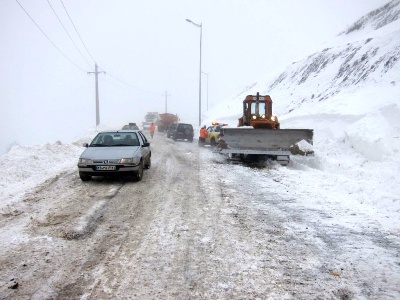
(203, 136)
(152, 129)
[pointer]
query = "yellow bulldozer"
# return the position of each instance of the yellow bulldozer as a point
(257, 112)
(259, 134)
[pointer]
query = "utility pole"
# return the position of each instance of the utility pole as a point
(96, 75)
(166, 101)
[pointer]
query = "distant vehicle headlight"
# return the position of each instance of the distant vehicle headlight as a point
(273, 118)
(85, 161)
(263, 116)
(254, 117)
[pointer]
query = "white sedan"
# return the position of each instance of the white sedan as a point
(120, 152)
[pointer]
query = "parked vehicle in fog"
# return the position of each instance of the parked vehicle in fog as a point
(183, 131)
(171, 129)
(130, 126)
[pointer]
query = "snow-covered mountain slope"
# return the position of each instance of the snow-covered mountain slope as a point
(348, 91)
(377, 18)
(371, 60)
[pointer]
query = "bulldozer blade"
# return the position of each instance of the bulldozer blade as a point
(247, 140)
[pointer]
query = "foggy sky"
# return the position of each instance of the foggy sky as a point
(146, 49)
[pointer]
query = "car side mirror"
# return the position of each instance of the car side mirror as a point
(85, 145)
(146, 144)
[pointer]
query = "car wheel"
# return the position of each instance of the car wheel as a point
(191, 140)
(174, 137)
(84, 177)
(148, 165)
(139, 173)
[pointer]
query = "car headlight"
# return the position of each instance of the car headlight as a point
(263, 116)
(134, 160)
(273, 118)
(85, 161)
(254, 117)
(126, 161)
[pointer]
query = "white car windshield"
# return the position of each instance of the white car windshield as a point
(115, 139)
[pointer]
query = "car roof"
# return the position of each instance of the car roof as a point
(120, 130)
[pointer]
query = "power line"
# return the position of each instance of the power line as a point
(146, 91)
(132, 86)
(128, 85)
(119, 84)
(68, 34)
(77, 31)
(116, 78)
(49, 38)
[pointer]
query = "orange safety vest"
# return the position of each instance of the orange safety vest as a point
(203, 133)
(152, 127)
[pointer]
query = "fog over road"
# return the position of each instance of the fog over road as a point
(195, 227)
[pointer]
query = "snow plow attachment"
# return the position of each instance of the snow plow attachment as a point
(276, 144)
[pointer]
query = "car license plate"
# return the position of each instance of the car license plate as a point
(105, 168)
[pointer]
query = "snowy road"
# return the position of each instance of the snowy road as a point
(196, 227)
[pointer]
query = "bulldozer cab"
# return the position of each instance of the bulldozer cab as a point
(257, 112)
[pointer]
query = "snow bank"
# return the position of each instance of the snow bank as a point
(369, 136)
(25, 167)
